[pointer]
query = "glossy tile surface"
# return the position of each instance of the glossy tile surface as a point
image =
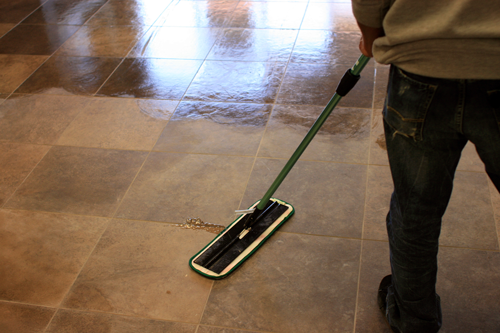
(203, 14)
(74, 12)
(16, 11)
(329, 16)
(268, 15)
(129, 12)
(22, 318)
(15, 69)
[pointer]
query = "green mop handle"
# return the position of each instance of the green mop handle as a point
(346, 84)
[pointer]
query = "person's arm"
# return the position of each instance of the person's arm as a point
(368, 36)
(370, 15)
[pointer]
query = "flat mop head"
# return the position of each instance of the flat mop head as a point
(240, 240)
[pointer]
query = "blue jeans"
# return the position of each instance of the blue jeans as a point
(427, 123)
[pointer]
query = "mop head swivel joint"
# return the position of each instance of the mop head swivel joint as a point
(240, 239)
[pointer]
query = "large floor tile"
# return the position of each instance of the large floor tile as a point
(495, 201)
(78, 180)
(151, 78)
(176, 43)
(203, 14)
(16, 11)
(215, 128)
(31, 39)
(20, 318)
(344, 137)
(272, 291)
(15, 165)
(315, 84)
(74, 12)
(470, 160)
(141, 269)
(268, 15)
(105, 41)
(378, 197)
(326, 46)
(5, 27)
(129, 12)
(330, 16)
(15, 69)
(172, 187)
(212, 329)
(468, 286)
(70, 75)
(234, 81)
(254, 45)
(43, 253)
(328, 197)
(70, 321)
(119, 123)
(38, 119)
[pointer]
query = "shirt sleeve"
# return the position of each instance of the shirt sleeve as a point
(371, 12)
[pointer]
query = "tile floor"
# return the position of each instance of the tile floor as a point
(120, 119)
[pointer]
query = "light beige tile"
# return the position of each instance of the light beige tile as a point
(470, 160)
(378, 197)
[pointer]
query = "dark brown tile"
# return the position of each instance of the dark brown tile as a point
(69, 321)
(468, 285)
(70, 75)
(141, 269)
(129, 12)
(211, 329)
(206, 14)
(106, 41)
(328, 197)
(176, 43)
(35, 39)
(172, 187)
(326, 46)
(20, 318)
(119, 123)
(374, 266)
(5, 27)
(79, 181)
(74, 12)
(254, 45)
(16, 163)
(42, 254)
(215, 128)
(330, 16)
(268, 15)
(344, 137)
(234, 81)
(272, 291)
(15, 69)
(315, 84)
(37, 118)
(151, 78)
(16, 11)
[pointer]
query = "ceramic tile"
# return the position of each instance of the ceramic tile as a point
(374, 266)
(15, 69)
(118, 123)
(20, 318)
(38, 119)
(326, 46)
(176, 43)
(378, 147)
(42, 254)
(221, 81)
(70, 75)
(211, 329)
(495, 201)
(468, 286)
(129, 12)
(215, 128)
(172, 187)
(328, 197)
(268, 15)
(344, 137)
(381, 81)
(315, 84)
(74, 12)
(378, 197)
(16, 11)
(106, 41)
(151, 78)
(5, 27)
(207, 14)
(140, 269)
(70, 321)
(330, 16)
(15, 165)
(35, 39)
(470, 160)
(254, 45)
(272, 291)
(79, 181)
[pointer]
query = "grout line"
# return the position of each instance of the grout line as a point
(50, 321)
(357, 288)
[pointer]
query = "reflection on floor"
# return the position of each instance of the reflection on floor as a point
(120, 119)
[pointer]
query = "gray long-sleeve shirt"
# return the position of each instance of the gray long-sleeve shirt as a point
(457, 39)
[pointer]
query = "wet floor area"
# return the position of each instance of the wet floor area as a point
(130, 132)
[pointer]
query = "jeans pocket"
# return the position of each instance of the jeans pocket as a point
(494, 99)
(407, 103)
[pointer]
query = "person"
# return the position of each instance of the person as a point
(443, 90)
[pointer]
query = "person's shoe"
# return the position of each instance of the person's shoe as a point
(382, 297)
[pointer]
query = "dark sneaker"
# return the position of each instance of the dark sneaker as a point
(382, 297)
